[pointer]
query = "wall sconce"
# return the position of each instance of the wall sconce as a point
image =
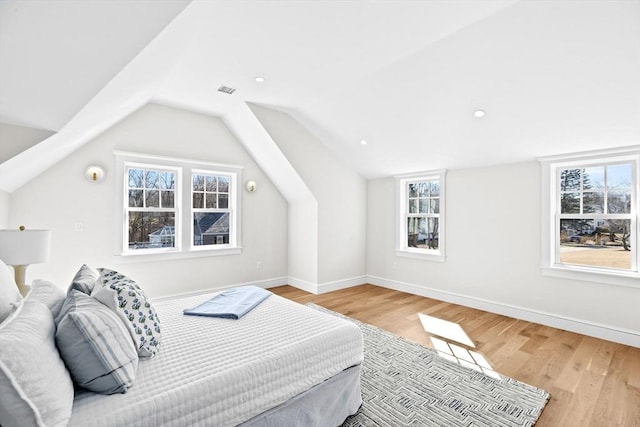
(251, 186)
(94, 173)
(21, 247)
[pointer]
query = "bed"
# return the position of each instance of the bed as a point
(223, 372)
(281, 364)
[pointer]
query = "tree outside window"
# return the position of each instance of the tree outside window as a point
(151, 210)
(176, 208)
(423, 214)
(595, 215)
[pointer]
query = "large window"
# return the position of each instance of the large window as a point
(177, 207)
(421, 215)
(592, 225)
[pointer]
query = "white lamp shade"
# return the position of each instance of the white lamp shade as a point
(24, 247)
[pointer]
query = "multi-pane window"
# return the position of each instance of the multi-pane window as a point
(211, 209)
(595, 218)
(590, 225)
(177, 208)
(151, 209)
(421, 214)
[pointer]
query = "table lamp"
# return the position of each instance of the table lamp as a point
(22, 247)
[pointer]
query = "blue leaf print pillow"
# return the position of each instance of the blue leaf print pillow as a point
(125, 298)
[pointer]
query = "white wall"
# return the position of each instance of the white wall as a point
(4, 209)
(60, 198)
(493, 256)
(341, 196)
(15, 139)
(303, 245)
(303, 206)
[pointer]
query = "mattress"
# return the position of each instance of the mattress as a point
(223, 372)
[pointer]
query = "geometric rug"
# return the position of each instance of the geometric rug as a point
(406, 384)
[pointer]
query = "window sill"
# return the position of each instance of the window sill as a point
(160, 256)
(587, 274)
(425, 256)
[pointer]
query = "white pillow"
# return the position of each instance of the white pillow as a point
(35, 386)
(48, 294)
(10, 297)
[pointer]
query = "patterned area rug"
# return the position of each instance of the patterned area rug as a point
(406, 384)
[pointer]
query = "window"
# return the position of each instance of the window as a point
(151, 209)
(177, 207)
(421, 215)
(592, 210)
(211, 210)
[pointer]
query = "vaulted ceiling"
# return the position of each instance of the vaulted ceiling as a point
(406, 76)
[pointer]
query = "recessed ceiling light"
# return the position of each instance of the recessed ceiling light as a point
(363, 142)
(260, 79)
(479, 113)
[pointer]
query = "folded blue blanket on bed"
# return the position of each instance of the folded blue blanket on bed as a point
(231, 304)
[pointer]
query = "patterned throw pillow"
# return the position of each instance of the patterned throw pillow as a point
(125, 298)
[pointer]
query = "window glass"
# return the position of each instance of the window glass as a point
(570, 180)
(211, 211)
(420, 231)
(593, 178)
(595, 243)
(619, 177)
(151, 230)
(136, 178)
(595, 222)
(211, 228)
(175, 208)
(593, 202)
(151, 212)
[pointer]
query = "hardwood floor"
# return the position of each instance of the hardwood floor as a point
(592, 382)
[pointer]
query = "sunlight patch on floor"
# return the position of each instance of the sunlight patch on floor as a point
(446, 329)
(462, 356)
(446, 347)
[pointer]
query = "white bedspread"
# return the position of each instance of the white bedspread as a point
(221, 372)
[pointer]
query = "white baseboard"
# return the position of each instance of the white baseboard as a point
(303, 285)
(322, 288)
(341, 284)
(607, 332)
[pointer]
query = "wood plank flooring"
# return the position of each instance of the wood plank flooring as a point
(593, 383)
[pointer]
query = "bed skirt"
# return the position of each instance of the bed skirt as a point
(327, 404)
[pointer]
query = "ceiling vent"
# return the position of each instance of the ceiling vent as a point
(227, 90)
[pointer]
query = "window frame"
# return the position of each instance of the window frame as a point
(551, 168)
(128, 209)
(184, 232)
(402, 213)
(233, 191)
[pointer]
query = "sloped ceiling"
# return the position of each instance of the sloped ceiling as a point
(57, 55)
(406, 76)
